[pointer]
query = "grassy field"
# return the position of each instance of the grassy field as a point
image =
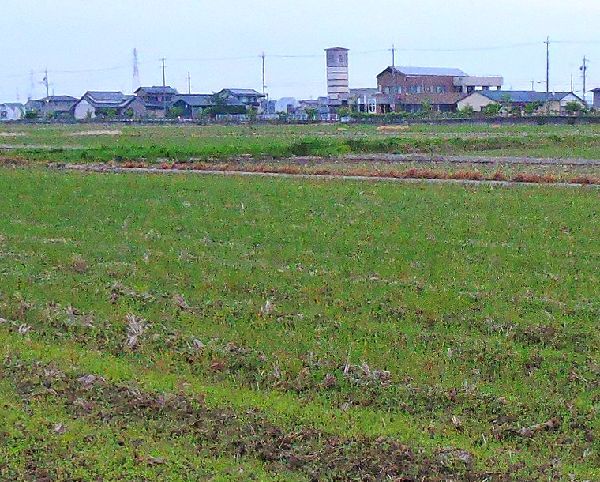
(176, 327)
(86, 143)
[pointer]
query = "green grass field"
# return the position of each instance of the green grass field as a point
(86, 143)
(182, 327)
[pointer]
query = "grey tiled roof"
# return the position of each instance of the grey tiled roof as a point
(157, 90)
(429, 71)
(195, 100)
(59, 98)
(107, 99)
(243, 92)
(523, 96)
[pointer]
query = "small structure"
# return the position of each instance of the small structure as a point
(338, 78)
(596, 102)
(11, 111)
(538, 102)
(107, 105)
(364, 100)
(59, 107)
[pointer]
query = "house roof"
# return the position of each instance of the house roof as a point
(107, 99)
(195, 100)
(157, 89)
(250, 92)
(597, 89)
(427, 71)
(364, 91)
(337, 48)
(59, 98)
(523, 96)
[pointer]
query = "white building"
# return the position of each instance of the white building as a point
(11, 111)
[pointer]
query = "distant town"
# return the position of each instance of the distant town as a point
(402, 90)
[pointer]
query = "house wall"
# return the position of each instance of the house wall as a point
(597, 99)
(570, 98)
(84, 110)
(477, 101)
(10, 113)
(138, 108)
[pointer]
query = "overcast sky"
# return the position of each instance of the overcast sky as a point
(88, 44)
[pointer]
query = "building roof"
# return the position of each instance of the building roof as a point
(195, 100)
(107, 99)
(597, 89)
(250, 92)
(59, 98)
(523, 96)
(337, 48)
(427, 71)
(157, 89)
(364, 91)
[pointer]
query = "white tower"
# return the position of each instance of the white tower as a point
(338, 85)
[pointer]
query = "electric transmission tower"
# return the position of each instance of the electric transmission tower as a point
(136, 71)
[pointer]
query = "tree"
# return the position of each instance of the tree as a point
(32, 114)
(532, 107)
(175, 112)
(426, 107)
(466, 111)
(344, 112)
(252, 114)
(573, 108)
(492, 110)
(110, 113)
(311, 112)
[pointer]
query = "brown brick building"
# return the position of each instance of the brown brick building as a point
(409, 88)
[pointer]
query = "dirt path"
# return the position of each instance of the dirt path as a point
(149, 170)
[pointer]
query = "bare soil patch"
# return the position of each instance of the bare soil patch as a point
(105, 132)
(315, 454)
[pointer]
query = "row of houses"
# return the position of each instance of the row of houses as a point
(399, 89)
(155, 102)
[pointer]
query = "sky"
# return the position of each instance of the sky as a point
(88, 44)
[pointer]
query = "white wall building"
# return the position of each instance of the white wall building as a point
(11, 112)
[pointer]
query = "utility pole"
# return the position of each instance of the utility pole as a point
(164, 78)
(547, 42)
(264, 87)
(394, 89)
(46, 82)
(164, 84)
(583, 69)
(189, 79)
(533, 86)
